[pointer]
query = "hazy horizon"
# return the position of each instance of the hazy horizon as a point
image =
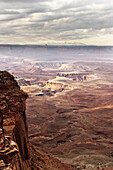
(37, 53)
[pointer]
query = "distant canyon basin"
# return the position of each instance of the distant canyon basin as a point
(69, 109)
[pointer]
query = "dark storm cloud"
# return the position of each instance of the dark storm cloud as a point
(56, 20)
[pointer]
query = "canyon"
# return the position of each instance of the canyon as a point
(75, 124)
(69, 109)
(16, 152)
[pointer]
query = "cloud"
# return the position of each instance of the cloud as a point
(24, 1)
(8, 12)
(56, 20)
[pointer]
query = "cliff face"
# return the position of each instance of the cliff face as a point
(75, 76)
(56, 86)
(14, 145)
(15, 150)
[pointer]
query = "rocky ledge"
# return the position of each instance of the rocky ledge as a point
(15, 150)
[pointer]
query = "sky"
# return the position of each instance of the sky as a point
(56, 22)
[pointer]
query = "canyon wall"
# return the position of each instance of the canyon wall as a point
(75, 76)
(14, 144)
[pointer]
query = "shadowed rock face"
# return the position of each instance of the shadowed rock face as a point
(15, 150)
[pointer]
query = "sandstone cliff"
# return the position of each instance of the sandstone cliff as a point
(15, 150)
(56, 85)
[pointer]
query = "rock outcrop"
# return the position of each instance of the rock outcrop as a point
(74, 76)
(15, 150)
(14, 144)
(56, 85)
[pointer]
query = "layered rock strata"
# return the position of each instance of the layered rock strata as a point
(14, 144)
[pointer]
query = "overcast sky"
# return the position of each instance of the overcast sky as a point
(56, 21)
